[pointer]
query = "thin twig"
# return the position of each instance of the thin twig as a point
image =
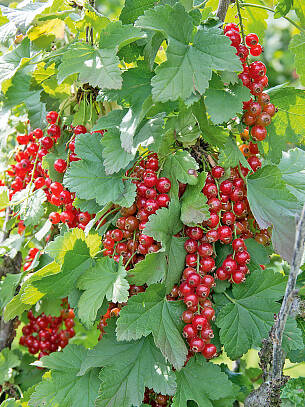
(280, 323)
(222, 9)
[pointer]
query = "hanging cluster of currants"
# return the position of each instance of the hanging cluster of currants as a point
(258, 112)
(45, 334)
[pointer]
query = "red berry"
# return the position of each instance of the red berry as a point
(231, 27)
(52, 117)
(218, 172)
(54, 131)
(234, 37)
(191, 260)
(199, 322)
(60, 165)
(187, 316)
(47, 142)
(38, 133)
(214, 220)
(193, 280)
(191, 245)
(84, 218)
(202, 291)
(228, 218)
(151, 206)
(205, 250)
(251, 39)
(54, 218)
(270, 109)
(240, 208)
(56, 188)
(208, 280)
(215, 205)
(194, 233)
(256, 50)
(242, 258)
(238, 245)
(210, 190)
(238, 277)
(229, 265)
(80, 129)
(67, 217)
(196, 344)
(209, 350)
(208, 313)
(207, 264)
(185, 289)
(39, 182)
(226, 187)
(225, 234)
(152, 164)
(189, 331)
(212, 236)
(163, 185)
(257, 70)
(163, 200)
(191, 300)
(150, 180)
(254, 163)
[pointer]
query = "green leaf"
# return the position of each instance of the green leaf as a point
(272, 204)
(128, 367)
(98, 67)
(292, 338)
(63, 387)
(8, 360)
(215, 135)
(4, 197)
(282, 8)
(191, 386)
(249, 316)
(22, 17)
(223, 104)
(288, 123)
(21, 91)
(76, 262)
(115, 158)
(27, 375)
(150, 312)
(188, 67)
(31, 208)
(11, 61)
(194, 208)
(257, 252)
(58, 248)
(299, 8)
(297, 47)
(150, 270)
(180, 166)
(185, 127)
(8, 287)
(163, 226)
(133, 9)
(88, 178)
(105, 279)
(116, 35)
(293, 172)
(231, 156)
(111, 120)
(294, 391)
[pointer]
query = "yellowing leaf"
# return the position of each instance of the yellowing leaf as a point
(55, 27)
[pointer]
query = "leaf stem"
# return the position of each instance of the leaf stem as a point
(230, 298)
(201, 5)
(273, 11)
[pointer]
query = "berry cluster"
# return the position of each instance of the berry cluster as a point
(259, 112)
(44, 334)
(228, 224)
(28, 169)
(128, 239)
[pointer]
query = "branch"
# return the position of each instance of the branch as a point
(223, 6)
(271, 355)
(9, 266)
(279, 326)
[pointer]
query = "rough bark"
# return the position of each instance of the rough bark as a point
(222, 9)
